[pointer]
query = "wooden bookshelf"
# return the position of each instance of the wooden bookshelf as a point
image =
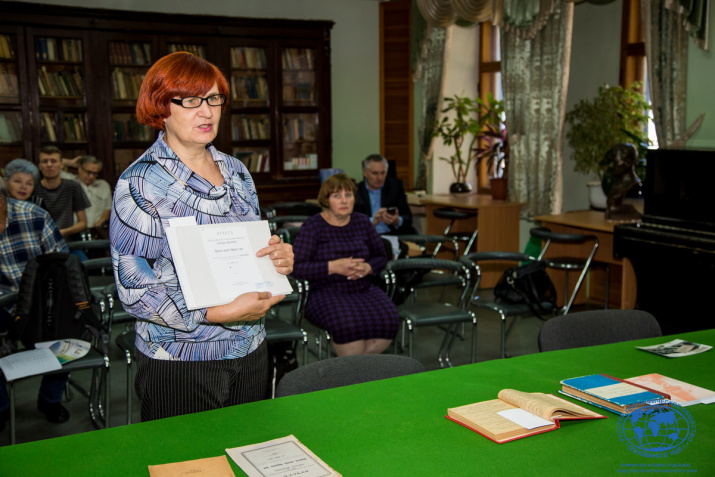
(71, 76)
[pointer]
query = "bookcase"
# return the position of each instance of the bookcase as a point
(71, 76)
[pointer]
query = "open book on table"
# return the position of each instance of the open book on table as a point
(516, 414)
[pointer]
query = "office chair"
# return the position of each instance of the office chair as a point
(98, 393)
(597, 327)
(344, 371)
(486, 300)
(575, 262)
(418, 314)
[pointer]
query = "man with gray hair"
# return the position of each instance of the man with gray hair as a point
(383, 198)
(27, 231)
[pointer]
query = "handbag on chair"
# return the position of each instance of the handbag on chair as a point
(528, 284)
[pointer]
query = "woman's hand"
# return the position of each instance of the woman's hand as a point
(280, 253)
(250, 306)
(352, 268)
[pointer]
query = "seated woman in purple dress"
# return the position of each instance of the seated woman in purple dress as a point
(336, 251)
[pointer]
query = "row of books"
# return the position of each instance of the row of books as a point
(255, 162)
(197, 50)
(516, 414)
(248, 128)
(309, 161)
(127, 128)
(126, 84)
(297, 59)
(69, 49)
(10, 127)
(8, 80)
(125, 53)
(299, 93)
(298, 129)
(249, 87)
(63, 82)
(72, 126)
(249, 58)
(7, 50)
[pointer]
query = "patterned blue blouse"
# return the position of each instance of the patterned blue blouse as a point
(153, 189)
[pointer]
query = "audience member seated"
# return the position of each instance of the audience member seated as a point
(27, 231)
(336, 251)
(64, 199)
(98, 191)
(21, 176)
(378, 195)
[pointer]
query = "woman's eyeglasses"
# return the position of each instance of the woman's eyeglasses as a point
(191, 102)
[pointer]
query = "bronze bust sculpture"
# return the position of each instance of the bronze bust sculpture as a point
(619, 178)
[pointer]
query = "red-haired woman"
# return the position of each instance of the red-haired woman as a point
(187, 360)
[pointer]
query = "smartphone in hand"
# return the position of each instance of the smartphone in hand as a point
(392, 210)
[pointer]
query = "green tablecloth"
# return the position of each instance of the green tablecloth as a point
(397, 427)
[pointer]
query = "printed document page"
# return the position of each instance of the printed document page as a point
(278, 458)
(217, 262)
(28, 363)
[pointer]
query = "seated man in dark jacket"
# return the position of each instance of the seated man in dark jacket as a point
(383, 198)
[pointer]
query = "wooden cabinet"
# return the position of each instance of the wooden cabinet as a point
(71, 76)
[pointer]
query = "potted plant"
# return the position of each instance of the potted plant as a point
(473, 120)
(615, 116)
(494, 144)
(460, 123)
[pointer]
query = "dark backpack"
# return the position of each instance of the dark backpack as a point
(528, 283)
(54, 302)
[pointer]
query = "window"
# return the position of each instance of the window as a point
(489, 79)
(633, 59)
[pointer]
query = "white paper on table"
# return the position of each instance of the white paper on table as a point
(280, 457)
(29, 363)
(216, 263)
(676, 349)
(524, 418)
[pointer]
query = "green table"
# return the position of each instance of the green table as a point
(397, 427)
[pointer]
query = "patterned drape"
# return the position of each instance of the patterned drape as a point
(535, 77)
(666, 44)
(429, 68)
(695, 18)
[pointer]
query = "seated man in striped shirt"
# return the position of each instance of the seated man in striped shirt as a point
(63, 198)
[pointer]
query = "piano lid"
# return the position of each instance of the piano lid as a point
(679, 188)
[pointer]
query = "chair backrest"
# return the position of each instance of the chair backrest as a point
(290, 208)
(547, 235)
(402, 268)
(596, 327)
(275, 223)
(476, 261)
(423, 241)
(346, 370)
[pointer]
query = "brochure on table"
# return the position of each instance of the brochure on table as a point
(217, 262)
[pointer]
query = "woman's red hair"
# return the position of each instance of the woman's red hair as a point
(178, 74)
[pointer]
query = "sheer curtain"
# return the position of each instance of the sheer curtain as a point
(535, 73)
(666, 45)
(430, 69)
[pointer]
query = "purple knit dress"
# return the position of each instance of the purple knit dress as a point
(350, 310)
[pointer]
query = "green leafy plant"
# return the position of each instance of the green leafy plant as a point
(493, 138)
(467, 119)
(615, 116)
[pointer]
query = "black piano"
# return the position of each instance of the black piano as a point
(673, 248)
